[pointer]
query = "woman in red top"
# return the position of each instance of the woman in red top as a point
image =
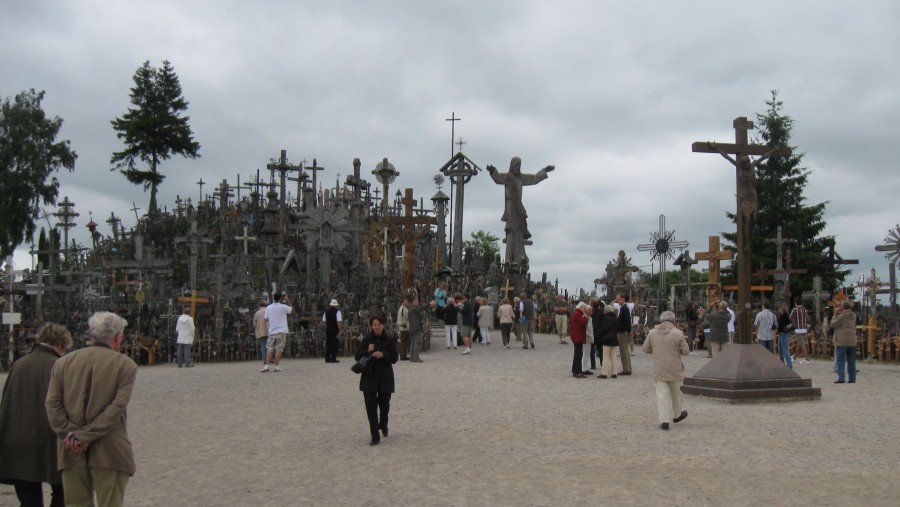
(578, 331)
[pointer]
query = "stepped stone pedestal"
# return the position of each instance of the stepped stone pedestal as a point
(744, 373)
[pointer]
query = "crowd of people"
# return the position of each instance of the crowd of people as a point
(62, 414)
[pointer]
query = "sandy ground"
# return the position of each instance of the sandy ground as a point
(502, 427)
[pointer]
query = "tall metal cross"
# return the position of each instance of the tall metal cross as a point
(452, 119)
(746, 208)
(662, 245)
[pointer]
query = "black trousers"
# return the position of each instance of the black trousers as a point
(376, 402)
(31, 494)
(331, 347)
(576, 359)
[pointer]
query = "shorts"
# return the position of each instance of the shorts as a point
(276, 342)
(562, 323)
(465, 331)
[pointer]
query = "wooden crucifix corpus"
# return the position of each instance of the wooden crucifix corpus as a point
(746, 208)
(409, 236)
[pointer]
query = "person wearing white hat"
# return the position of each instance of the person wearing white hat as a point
(334, 326)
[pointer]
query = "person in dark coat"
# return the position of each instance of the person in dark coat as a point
(378, 384)
(27, 444)
(607, 340)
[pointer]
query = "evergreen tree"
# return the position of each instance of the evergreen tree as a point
(780, 184)
(29, 155)
(153, 129)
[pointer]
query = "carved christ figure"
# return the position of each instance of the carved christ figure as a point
(514, 212)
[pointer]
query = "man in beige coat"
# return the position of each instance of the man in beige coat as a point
(666, 344)
(86, 403)
(844, 325)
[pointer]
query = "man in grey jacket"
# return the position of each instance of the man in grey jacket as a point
(718, 327)
(416, 318)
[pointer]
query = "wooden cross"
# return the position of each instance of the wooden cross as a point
(135, 209)
(831, 260)
(193, 300)
(245, 238)
(714, 256)
(746, 208)
(314, 168)
(506, 290)
(282, 166)
(201, 183)
(409, 235)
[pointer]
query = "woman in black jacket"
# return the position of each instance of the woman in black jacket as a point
(605, 337)
(378, 384)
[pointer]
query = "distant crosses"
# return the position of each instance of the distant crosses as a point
(200, 184)
(66, 216)
(746, 207)
(714, 256)
(892, 252)
(114, 222)
(460, 143)
(314, 169)
(662, 245)
(283, 167)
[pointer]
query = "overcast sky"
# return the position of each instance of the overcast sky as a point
(611, 93)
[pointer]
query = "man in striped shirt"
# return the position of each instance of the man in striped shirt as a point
(765, 327)
(800, 321)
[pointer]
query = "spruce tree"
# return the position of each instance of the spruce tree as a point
(780, 185)
(154, 128)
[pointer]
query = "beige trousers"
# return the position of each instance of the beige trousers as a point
(668, 399)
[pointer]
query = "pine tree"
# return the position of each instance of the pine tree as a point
(154, 129)
(780, 184)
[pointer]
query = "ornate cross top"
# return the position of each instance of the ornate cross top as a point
(892, 245)
(662, 245)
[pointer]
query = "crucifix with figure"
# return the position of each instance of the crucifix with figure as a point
(409, 236)
(746, 208)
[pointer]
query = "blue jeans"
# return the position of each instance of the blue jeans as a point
(768, 344)
(262, 347)
(784, 349)
(848, 355)
(184, 354)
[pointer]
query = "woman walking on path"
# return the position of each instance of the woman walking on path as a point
(506, 315)
(378, 384)
(578, 332)
(485, 317)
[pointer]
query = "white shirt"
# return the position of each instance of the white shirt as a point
(731, 322)
(276, 314)
(185, 329)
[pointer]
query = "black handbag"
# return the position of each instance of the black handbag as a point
(365, 364)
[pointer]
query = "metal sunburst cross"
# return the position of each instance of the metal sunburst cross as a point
(892, 246)
(663, 246)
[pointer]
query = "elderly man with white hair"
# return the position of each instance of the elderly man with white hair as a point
(86, 404)
(666, 344)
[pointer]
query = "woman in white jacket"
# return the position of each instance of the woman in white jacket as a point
(185, 330)
(485, 321)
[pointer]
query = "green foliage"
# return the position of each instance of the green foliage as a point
(485, 248)
(29, 155)
(780, 183)
(153, 130)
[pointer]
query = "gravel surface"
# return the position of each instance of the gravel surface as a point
(502, 427)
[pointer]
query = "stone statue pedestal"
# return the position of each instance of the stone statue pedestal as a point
(748, 373)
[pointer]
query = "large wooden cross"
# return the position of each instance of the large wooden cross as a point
(283, 167)
(193, 300)
(714, 256)
(746, 208)
(409, 235)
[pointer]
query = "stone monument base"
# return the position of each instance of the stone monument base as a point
(749, 374)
